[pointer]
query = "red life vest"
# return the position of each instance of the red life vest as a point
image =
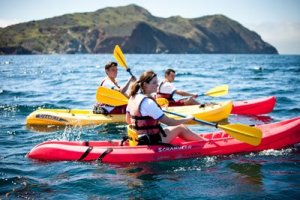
(141, 124)
(163, 95)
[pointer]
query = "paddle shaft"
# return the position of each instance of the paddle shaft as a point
(129, 71)
(196, 120)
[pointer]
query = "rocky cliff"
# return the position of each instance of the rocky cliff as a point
(135, 30)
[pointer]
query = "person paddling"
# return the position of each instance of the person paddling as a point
(166, 89)
(144, 115)
(111, 70)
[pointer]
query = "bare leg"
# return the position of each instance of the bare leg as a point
(181, 131)
(191, 101)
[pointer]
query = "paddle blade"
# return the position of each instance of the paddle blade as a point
(163, 102)
(247, 134)
(217, 91)
(110, 97)
(119, 56)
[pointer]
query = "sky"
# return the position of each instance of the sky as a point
(276, 21)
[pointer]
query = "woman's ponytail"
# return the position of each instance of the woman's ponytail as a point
(134, 88)
(145, 77)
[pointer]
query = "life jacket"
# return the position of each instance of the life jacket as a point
(102, 82)
(163, 95)
(141, 124)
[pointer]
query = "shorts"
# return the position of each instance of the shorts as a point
(148, 139)
(98, 109)
(179, 102)
(119, 110)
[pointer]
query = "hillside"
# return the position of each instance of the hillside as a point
(135, 30)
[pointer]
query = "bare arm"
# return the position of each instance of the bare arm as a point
(125, 87)
(183, 93)
(128, 120)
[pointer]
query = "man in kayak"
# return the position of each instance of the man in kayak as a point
(144, 115)
(166, 89)
(111, 70)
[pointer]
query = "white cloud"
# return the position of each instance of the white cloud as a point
(7, 22)
(284, 36)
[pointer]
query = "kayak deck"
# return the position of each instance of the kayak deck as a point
(75, 117)
(275, 136)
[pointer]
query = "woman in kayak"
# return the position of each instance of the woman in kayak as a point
(111, 70)
(166, 89)
(143, 115)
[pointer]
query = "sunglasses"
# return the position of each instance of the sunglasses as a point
(149, 78)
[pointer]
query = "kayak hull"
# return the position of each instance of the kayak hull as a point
(77, 117)
(74, 117)
(275, 136)
(254, 106)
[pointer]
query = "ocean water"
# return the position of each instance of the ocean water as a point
(70, 81)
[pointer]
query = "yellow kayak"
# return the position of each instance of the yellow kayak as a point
(78, 117)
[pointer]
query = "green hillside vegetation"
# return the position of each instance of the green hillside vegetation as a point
(135, 29)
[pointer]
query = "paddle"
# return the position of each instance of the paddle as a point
(218, 91)
(247, 134)
(119, 56)
(110, 97)
(215, 92)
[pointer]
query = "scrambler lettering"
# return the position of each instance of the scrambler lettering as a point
(174, 148)
(44, 116)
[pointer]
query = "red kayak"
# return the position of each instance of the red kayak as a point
(254, 107)
(275, 136)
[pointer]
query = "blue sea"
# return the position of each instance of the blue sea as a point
(70, 81)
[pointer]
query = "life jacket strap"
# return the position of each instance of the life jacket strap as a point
(107, 151)
(140, 117)
(138, 128)
(84, 155)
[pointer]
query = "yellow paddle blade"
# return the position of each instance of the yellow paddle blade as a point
(217, 91)
(119, 56)
(110, 97)
(163, 102)
(247, 134)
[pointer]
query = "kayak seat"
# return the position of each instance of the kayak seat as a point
(133, 136)
(163, 102)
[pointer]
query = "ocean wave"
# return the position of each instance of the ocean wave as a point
(11, 93)
(272, 152)
(26, 108)
(179, 74)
